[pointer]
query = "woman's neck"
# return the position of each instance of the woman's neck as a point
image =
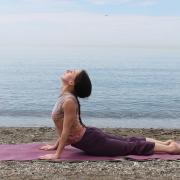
(65, 90)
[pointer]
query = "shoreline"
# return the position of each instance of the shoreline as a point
(36, 134)
(147, 123)
(105, 170)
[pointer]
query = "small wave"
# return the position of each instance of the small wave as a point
(96, 114)
(29, 113)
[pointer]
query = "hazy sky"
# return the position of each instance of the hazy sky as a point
(90, 22)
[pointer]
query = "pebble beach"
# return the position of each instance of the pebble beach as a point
(124, 169)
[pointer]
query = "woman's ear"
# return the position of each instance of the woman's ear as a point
(71, 83)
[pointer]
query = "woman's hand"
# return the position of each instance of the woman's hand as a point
(48, 147)
(49, 157)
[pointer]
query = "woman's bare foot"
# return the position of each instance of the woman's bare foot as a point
(175, 148)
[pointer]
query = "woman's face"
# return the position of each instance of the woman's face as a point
(69, 76)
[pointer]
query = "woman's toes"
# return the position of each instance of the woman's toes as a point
(169, 141)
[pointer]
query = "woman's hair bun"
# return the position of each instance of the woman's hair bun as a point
(82, 85)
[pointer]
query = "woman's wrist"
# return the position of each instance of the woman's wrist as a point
(57, 156)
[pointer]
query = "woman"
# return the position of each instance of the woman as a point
(66, 115)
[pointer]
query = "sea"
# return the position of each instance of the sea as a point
(132, 87)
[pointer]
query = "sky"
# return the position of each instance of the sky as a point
(126, 23)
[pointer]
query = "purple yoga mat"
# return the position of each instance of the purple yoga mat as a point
(31, 151)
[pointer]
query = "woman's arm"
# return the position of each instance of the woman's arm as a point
(49, 147)
(69, 108)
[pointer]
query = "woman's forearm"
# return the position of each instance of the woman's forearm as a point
(61, 144)
(56, 143)
(59, 134)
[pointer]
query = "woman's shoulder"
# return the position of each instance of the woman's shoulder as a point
(69, 98)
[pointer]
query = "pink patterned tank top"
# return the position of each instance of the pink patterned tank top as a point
(77, 130)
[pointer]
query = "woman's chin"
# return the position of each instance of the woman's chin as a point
(62, 79)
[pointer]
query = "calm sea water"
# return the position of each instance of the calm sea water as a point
(135, 87)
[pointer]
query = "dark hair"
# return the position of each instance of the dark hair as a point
(82, 88)
(82, 85)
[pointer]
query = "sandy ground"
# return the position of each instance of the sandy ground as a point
(105, 170)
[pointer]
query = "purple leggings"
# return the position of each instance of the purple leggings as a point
(98, 143)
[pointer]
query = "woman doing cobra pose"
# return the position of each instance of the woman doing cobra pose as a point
(71, 130)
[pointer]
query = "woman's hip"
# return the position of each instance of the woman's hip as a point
(91, 137)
